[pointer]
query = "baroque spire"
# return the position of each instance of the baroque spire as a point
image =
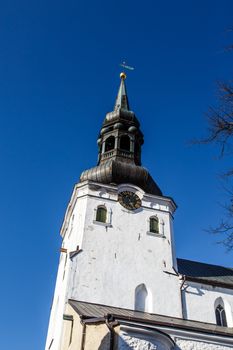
(119, 143)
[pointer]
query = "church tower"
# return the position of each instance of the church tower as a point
(118, 246)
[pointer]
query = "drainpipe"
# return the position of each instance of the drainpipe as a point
(83, 336)
(108, 319)
(111, 325)
(183, 278)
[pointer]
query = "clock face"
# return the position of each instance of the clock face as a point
(129, 200)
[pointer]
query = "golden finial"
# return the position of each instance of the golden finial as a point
(123, 76)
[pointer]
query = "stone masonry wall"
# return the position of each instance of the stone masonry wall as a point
(183, 344)
(138, 342)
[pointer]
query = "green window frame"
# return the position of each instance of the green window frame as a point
(101, 214)
(154, 225)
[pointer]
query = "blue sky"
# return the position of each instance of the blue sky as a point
(59, 73)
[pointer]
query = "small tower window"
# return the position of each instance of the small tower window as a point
(109, 143)
(220, 316)
(125, 143)
(154, 224)
(101, 214)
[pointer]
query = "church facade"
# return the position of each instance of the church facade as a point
(119, 283)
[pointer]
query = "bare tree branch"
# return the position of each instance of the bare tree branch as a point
(220, 132)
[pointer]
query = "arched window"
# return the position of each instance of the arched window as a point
(101, 214)
(109, 143)
(220, 316)
(141, 296)
(125, 143)
(154, 224)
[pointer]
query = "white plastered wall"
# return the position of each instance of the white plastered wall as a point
(121, 255)
(200, 302)
(73, 228)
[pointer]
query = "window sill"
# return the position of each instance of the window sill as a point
(155, 234)
(105, 224)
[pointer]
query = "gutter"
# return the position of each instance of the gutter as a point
(216, 330)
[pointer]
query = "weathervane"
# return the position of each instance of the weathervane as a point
(124, 65)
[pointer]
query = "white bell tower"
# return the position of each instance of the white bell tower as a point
(118, 246)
